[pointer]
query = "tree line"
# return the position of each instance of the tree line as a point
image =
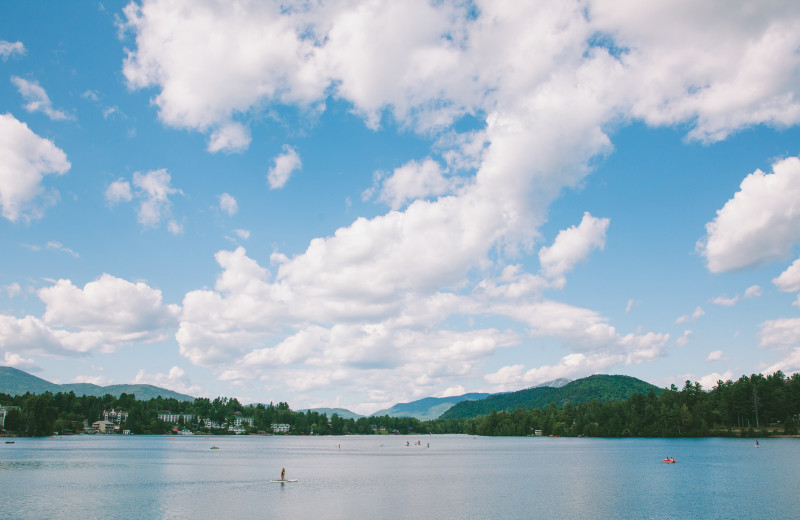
(757, 405)
(754, 405)
(47, 413)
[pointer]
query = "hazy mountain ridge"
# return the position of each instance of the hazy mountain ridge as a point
(601, 387)
(344, 413)
(427, 408)
(17, 382)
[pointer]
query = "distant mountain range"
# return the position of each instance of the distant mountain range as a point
(560, 392)
(601, 387)
(18, 382)
(428, 408)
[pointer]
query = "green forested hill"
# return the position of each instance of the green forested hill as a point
(601, 387)
(18, 382)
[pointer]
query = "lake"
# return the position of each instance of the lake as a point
(375, 477)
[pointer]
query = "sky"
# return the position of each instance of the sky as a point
(359, 203)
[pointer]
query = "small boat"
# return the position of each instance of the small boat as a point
(214, 447)
(669, 460)
(9, 442)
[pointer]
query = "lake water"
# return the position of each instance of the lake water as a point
(380, 477)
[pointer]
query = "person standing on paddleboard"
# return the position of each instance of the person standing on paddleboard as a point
(283, 473)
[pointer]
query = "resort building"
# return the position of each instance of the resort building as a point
(115, 416)
(104, 426)
(280, 428)
(175, 418)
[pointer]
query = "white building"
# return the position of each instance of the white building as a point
(175, 418)
(115, 416)
(280, 428)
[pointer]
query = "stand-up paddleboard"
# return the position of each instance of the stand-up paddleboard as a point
(284, 481)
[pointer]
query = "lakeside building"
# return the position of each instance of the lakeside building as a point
(115, 416)
(175, 418)
(280, 428)
(209, 424)
(104, 426)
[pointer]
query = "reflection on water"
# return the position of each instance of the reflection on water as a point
(458, 477)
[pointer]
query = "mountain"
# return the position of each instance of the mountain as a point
(17, 382)
(428, 408)
(600, 387)
(344, 413)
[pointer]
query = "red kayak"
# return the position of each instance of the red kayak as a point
(669, 460)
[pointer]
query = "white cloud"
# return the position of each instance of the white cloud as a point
(415, 180)
(788, 365)
(715, 355)
(13, 289)
(17, 361)
(107, 313)
(175, 380)
(709, 381)
(8, 49)
(572, 246)
(228, 204)
(631, 304)
(725, 301)
(754, 291)
(684, 339)
(37, 99)
(285, 165)
(58, 246)
(544, 96)
(94, 380)
(174, 227)
(789, 280)
(152, 191)
(119, 191)
(25, 158)
(698, 312)
(780, 333)
(244, 234)
(155, 190)
(760, 224)
(229, 138)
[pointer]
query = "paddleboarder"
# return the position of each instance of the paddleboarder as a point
(283, 473)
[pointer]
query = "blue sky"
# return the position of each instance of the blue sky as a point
(361, 203)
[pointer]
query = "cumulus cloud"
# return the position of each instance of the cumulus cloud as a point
(37, 99)
(414, 180)
(244, 234)
(760, 224)
(8, 49)
(684, 339)
(789, 280)
(783, 332)
(285, 165)
(572, 246)
(229, 138)
(17, 361)
(544, 92)
(119, 191)
(716, 355)
(790, 364)
(103, 316)
(152, 191)
(725, 301)
(25, 158)
(709, 381)
(228, 204)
